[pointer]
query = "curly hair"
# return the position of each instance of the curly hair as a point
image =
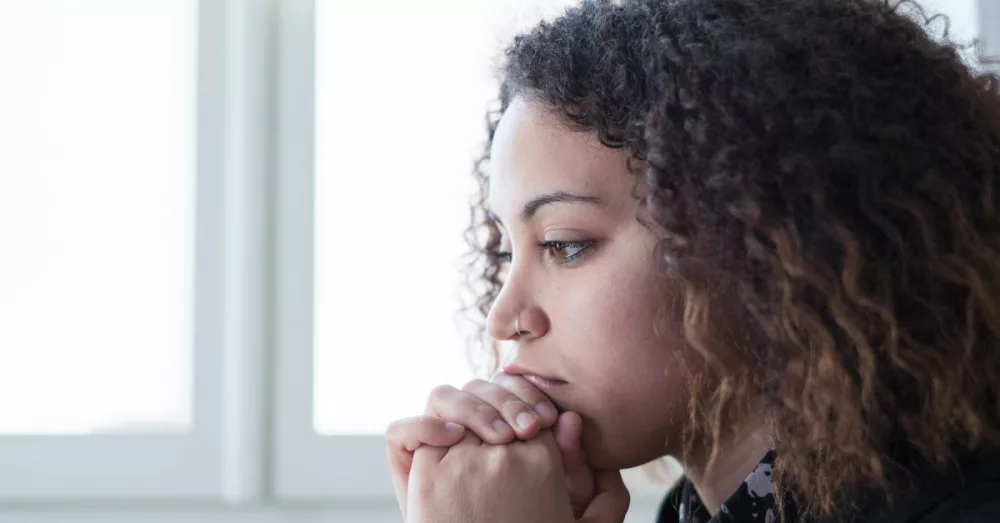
(832, 162)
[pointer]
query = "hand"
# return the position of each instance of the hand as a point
(517, 482)
(498, 411)
(482, 408)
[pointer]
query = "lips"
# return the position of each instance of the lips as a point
(539, 379)
(543, 383)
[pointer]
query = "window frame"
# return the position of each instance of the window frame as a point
(253, 438)
(220, 457)
(308, 465)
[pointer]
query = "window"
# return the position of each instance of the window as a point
(963, 16)
(130, 283)
(401, 95)
(232, 229)
(96, 207)
(96, 210)
(399, 120)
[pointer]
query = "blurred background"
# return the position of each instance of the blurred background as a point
(231, 238)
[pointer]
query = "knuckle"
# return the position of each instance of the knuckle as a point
(439, 396)
(512, 406)
(521, 387)
(538, 453)
(426, 424)
(485, 413)
(503, 379)
(397, 429)
(497, 459)
(476, 384)
(442, 391)
(500, 376)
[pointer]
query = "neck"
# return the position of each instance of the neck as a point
(734, 463)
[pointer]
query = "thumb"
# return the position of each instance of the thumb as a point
(610, 501)
(579, 477)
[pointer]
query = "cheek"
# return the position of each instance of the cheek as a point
(614, 321)
(634, 397)
(636, 420)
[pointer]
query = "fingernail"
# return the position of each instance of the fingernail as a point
(453, 428)
(501, 427)
(544, 410)
(525, 419)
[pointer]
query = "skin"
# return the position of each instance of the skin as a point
(516, 482)
(587, 312)
(589, 321)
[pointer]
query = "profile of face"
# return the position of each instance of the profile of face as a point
(582, 286)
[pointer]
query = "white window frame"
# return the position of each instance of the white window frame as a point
(311, 467)
(308, 466)
(220, 457)
(253, 441)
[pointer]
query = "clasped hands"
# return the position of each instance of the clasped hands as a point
(497, 451)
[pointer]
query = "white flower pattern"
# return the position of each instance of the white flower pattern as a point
(753, 502)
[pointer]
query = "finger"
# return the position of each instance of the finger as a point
(471, 412)
(516, 412)
(426, 458)
(460, 452)
(410, 433)
(470, 438)
(610, 501)
(567, 432)
(579, 477)
(530, 394)
(404, 436)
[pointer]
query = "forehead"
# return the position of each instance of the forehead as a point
(534, 153)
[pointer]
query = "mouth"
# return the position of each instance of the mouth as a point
(539, 380)
(542, 382)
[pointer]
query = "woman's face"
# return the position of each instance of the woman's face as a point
(587, 304)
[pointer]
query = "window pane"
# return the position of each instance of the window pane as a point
(401, 92)
(96, 215)
(962, 15)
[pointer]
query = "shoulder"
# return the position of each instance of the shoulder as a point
(971, 496)
(976, 503)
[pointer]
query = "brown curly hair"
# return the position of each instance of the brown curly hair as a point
(835, 164)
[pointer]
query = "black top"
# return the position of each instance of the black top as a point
(970, 496)
(753, 501)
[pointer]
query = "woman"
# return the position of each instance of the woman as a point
(760, 236)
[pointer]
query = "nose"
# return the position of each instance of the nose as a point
(508, 323)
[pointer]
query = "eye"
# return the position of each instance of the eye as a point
(565, 253)
(503, 253)
(502, 256)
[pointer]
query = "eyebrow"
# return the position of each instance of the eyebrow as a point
(532, 207)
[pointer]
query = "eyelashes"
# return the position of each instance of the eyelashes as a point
(566, 253)
(501, 256)
(560, 252)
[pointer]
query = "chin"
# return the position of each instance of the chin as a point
(624, 454)
(612, 461)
